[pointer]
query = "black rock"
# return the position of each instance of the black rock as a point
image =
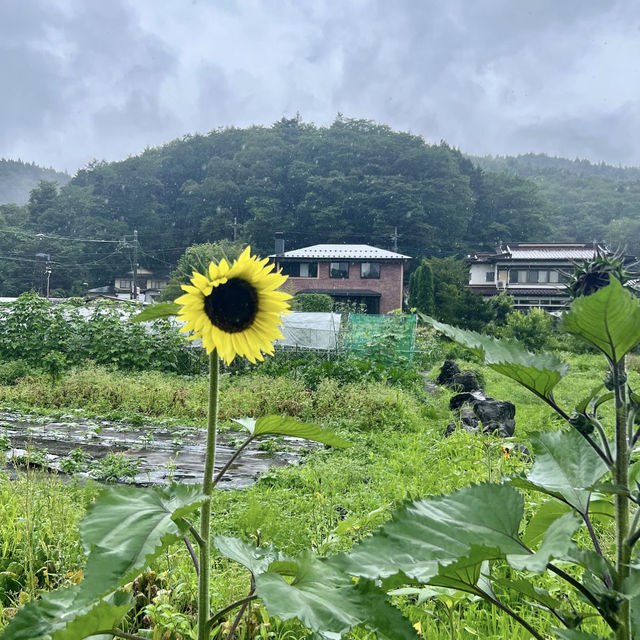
(466, 420)
(466, 381)
(496, 415)
(448, 370)
(468, 397)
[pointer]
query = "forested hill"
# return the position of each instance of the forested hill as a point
(18, 178)
(354, 181)
(588, 201)
(533, 165)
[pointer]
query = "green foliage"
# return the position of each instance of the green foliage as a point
(282, 426)
(197, 258)
(11, 372)
(53, 337)
(534, 329)
(115, 467)
(538, 373)
(312, 302)
(329, 602)
(421, 289)
(316, 184)
(608, 319)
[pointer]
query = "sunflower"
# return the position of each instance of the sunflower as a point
(235, 309)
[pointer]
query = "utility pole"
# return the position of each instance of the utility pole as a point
(47, 273)
(134, 293)
(235, 228)
(395, 237)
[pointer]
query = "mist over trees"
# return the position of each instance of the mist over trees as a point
(18, 178)
(354, 181)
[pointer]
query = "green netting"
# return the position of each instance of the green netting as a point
(390, 337)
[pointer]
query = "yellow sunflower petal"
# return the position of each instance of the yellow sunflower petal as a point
(252, 339)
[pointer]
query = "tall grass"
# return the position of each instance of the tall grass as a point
(327, 503)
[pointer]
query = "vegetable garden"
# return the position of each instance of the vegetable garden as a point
(388, 531)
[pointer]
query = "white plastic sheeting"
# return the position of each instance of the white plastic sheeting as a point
(311, 330)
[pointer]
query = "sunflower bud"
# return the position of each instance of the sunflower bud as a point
(581, 423)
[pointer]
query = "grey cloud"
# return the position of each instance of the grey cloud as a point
(493, 76)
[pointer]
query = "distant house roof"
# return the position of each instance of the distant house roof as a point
(541, 251)
(342, 252)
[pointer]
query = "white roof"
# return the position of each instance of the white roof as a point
(561, 252)
(346, 251)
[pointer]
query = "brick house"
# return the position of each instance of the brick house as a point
(534, 274)
(348, 272)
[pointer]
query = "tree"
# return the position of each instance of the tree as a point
(197, 258)
(421, 293)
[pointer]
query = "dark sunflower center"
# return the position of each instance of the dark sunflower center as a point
(232, 306)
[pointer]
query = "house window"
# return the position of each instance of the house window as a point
(338, 269)
(489, 276)
(124, 284)
(532, 276)
(553, 276)
(156, 284)
(300, 269)
(370, 270)
(517, 276)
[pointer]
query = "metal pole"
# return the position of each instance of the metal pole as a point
(134, 294)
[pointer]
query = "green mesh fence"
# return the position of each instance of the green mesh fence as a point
(389, 337)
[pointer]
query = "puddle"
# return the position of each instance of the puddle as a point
(163, 454)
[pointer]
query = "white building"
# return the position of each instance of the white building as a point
(534, 274)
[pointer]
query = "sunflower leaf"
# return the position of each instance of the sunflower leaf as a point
(608, 319)
(565, 466)
(256, 559)
(66, 614)
(284, 426)
(127, 527)
(475, 524)
(330, 603)
(537, 372)
(156, 311)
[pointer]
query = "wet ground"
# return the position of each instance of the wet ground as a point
(162, 452)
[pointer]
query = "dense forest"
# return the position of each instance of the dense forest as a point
(18, 178)
(588, 201)
(353, 181)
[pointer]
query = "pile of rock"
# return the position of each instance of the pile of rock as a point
(475, 410)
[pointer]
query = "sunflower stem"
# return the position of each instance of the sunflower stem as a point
(207, 488)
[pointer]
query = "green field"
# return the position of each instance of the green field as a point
(333, 499)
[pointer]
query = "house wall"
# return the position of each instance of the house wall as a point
(389, 285)
(477, 274)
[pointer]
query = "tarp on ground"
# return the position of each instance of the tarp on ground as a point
(308, 330)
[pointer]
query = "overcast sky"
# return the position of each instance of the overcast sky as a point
(85, 79)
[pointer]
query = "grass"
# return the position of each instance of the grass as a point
(332, 500)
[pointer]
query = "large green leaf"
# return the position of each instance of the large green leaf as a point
(476, 523)
(556, 543)
(465, 575)
(543, 516)
(127, 526)
(256, 559)
(608, 319)
(564, 466)
(65, 614)
(155, 311)
(284, 426)
(537, 372)
(330, 603)
(122, 532)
